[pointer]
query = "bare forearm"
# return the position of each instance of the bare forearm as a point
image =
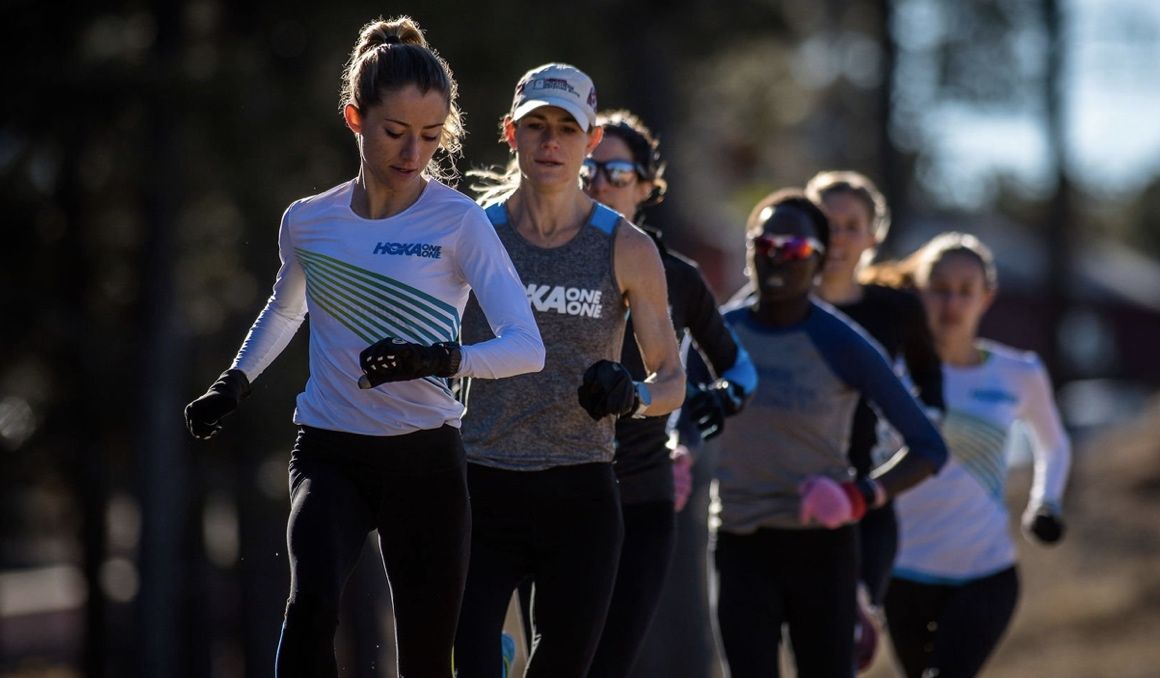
(667, 387)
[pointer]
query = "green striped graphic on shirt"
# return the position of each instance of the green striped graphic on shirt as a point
(373, 305)
(980, 447)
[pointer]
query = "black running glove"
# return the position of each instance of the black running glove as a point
(203, 416)
(1045, 524)
(607, 389)
(394, 359)
(708, 405)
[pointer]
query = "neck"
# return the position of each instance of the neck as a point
(959, 352)
(372, 201)
(839, 289)
(782, 313)
(548, 217)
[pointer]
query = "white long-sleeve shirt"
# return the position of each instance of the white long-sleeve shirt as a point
(406, 276)
(953, 527)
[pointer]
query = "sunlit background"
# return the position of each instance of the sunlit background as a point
(147, 150)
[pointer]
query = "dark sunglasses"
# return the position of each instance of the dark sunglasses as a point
(619, 173)
(787, 247)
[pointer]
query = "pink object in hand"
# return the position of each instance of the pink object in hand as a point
(682, 477)
(825, 501)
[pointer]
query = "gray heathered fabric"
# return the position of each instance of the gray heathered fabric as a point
(534, 421)
(797, 425)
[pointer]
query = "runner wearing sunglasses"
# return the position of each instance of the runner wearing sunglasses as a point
(787, 498)
(544, 496)
(955, 585)
(859, 221)
(620, 173)
(626, 173)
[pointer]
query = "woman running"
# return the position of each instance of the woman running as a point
(859, 221)
(955, 584)
(383, 264)
(787, 498)
(626, 172)
(544, 497)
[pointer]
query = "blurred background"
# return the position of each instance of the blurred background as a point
(147, 150)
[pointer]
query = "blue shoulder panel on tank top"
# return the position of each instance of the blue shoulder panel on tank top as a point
(496, 214)
(604, 218)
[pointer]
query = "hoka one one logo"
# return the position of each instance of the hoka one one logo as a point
(409, 249)
(564, 300)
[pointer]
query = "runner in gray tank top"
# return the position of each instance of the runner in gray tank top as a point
(544, 499)
(536, 424)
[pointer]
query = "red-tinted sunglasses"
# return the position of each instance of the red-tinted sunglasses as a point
(787, 247)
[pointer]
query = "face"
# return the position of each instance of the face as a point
(550, 146)
(398, 136)
(787, 272)
(626, 198)
(956, 297)
(850, 233)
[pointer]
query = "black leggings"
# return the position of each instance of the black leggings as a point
(560, 527)
(804, 578)
(649, 535)
(951, 630)
(412, 489)
(878, 537)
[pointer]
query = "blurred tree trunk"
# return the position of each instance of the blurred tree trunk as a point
(1058, 231)
(79, 374)
(894, 180)
(161, 459)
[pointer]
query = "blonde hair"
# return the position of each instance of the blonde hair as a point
(843, 181)
(496, 185)
(391, 54)
(914, 270)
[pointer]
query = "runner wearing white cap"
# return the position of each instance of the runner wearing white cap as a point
(545, 504)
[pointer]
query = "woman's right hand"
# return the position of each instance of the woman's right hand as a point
(203, 416)
(830, 503)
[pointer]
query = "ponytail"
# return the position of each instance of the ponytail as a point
(390, 55)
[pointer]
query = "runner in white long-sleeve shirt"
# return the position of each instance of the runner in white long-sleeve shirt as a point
(955, 584)
(383, 264)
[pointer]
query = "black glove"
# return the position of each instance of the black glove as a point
(394, 359)
(607, 389)
(1044, 524)
(708, 405)
(203, 416)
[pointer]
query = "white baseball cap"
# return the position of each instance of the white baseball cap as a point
(557, 85)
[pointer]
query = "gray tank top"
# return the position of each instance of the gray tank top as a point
(534, 421)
